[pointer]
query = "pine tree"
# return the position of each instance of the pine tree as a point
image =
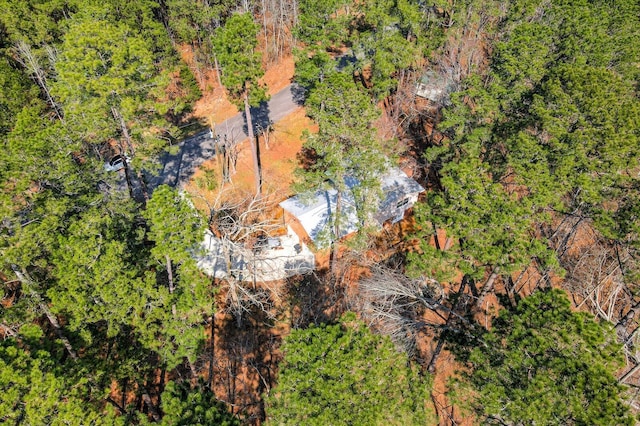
(197, 406)
(37, 389)
(345, 149)
(235, 45)
(176, 229)
(343, 374)
(542, 363)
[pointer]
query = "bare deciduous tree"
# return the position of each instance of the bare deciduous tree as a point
(396, 305)
(278, 17)
(238, 228)
(29, 60)
(594, 275)
(598, 273)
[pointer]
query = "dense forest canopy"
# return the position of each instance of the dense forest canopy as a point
(530, 161)
(352, 390)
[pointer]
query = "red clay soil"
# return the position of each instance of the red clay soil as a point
(279, 75)
(245, 363)
(278, 161)
(246, 358)
(214, 104)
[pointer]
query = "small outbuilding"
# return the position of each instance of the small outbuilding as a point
(434, 88)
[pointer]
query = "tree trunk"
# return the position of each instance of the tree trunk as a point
(436, 353)
(170, 274)
(213, 351)
(217, 65)
(29, 61)
(27, 282)
(254, 146)
(219, 158)
(622, 324)
(447, 243)
(143, 187)
(56, 325)
(488, 286)
(630, 373)
(7, 331)
(436, 240)
(226, 166)
(171, 284)
(127, 177)
(510, 287)
(125, 133)
(336, 237)
(120, 408)
(123, 128)
(194, 372)
(264, 29)
(152, 409)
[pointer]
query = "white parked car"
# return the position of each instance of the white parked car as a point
(116, 163)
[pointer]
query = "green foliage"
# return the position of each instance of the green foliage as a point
(343, 374)
(43, 185)
(551, 127)
(96, 69)
(190, 85)
(495, 228)
(106, 71)
(312, 67)
(174, 225)
(15, 92)
(385, 36)
(342, 110)
(142, 19)
(183, 405)
(323, 23)
(35, 21)
(93, 275)
(99, 57)
(96, 271)
(588, 116)
(235, 45)
(188, 19)
(570, 112)
(346, 146)
(176, 229)
(37, 391)
(191, 21)
(543, 364)
(323, 27)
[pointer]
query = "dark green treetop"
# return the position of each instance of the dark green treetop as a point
(343, 374)
(193, 406)
(37, 389)
(235, 45)
(543, 364)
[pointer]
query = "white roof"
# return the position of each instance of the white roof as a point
(396, 185)
(315, 214)
(314, 211)
(287, 258)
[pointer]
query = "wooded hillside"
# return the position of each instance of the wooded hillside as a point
(508, 295)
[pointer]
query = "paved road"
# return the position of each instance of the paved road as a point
(177, 169)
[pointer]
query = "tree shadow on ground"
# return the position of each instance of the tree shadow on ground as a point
(299, 94)
(306, 158)
(259, 118)
(313, 300)
(180, 164)
(245, 362)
